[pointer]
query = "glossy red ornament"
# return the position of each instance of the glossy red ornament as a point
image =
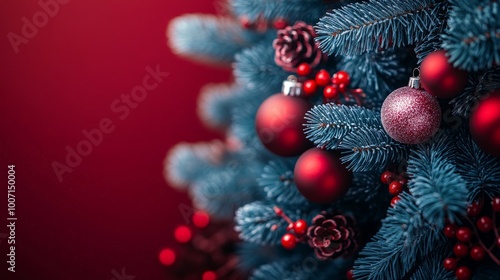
(341, 78)
(310, 87)
(484, 224)
(461, 250)
(322, 78)
(450, 264)
(410, 115)
(279, 124)
(288, 241)
(304, 69)
(300, 227)
(464, 234)
(330, 92)
(450, 230)
(395, 188)
(485, 124)
(477, 253)
(440, 78)
(320, 176)
(463, 273)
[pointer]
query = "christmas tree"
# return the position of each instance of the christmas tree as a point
(361, 138)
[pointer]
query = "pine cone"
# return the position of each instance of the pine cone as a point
(295, 45)
(332, 235)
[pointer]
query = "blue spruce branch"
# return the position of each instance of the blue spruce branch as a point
(328, 124)
(480, 171)
(477, 88)
(209, 38)
(375, 25)
(215, 104)
(400, 246)
(370, 149)
(377, 73)
(439, 190)
(432, 40)
(290, 10)
(279, 186)
(472, 39)
(254, 222)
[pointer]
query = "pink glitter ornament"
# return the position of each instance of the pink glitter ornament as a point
(410, 115)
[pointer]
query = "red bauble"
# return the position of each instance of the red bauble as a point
(485, 124)
(410, 116)
(439, 77)
(320, 176)
(279, 123)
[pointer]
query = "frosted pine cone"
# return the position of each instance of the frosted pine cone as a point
(295, 45)
(332, 235)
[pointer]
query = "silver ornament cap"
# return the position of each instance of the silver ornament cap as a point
(291, 87)
(415, 80)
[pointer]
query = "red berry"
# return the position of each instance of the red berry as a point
(464, 234)
(495, 203)
(304, 69)
(167, 257)
(330, 92)
(182, 234)
(209, 275)
(300, 227)
(463, 273)
(289, 227)
(310, 87)
(201, 219)
(450, 264)
(395, 188)
(341, 78)
(477, 253)
(450, 230)
(386, 177)
(288, 241)
(474, 209)
(461, 250)
(323, 78)
(484, 224)
(245, 22)
(395, 200)
(280, 24)
(350, 274)
(342, 87)
(403, 181)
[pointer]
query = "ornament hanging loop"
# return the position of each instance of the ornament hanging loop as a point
(415, 80)
(291, 87)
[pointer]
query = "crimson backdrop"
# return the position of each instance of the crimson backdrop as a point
(114, 210)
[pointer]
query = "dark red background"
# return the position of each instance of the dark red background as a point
(114, 210)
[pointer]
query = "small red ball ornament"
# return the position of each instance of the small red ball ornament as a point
(288, 241)
(320, 176)
(279, 121)
(440, 78)
(410, 115)
(485, 124)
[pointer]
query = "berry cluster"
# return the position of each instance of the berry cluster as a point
(397, 184)
(479, 229)
(299, 227)
(262, 24)
(334, 87)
